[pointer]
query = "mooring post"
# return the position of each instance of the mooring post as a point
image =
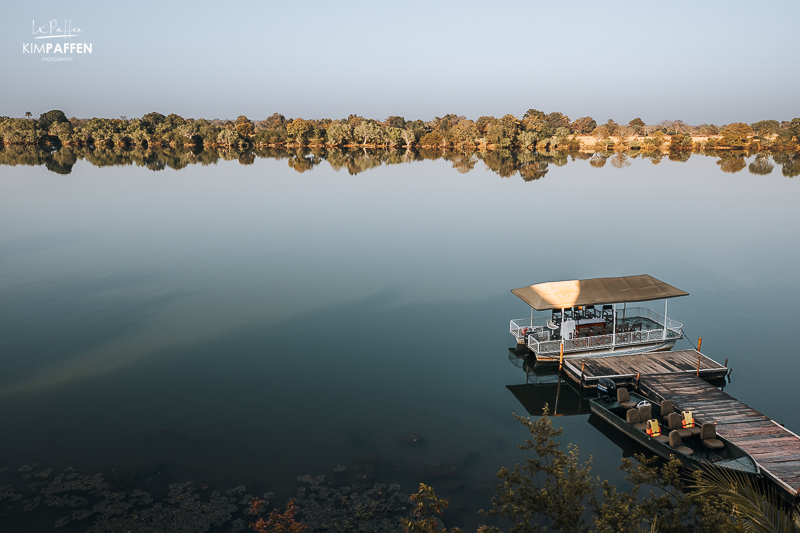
(726, 362)
(561, 358)
(583, 368)
(637, 380)
(699, 343)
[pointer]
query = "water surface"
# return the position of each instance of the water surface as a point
(237, 323)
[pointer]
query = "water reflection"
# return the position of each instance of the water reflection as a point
(529, 165)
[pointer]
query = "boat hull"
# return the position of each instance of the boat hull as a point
(626, 350)
(731, 458)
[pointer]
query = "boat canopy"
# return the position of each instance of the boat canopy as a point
(626, 289)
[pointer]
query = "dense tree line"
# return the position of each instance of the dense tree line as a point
(536, 130)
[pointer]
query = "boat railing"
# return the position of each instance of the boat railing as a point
(538, 337)
(521, 327)
(646, 312)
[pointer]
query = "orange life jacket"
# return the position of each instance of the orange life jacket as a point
(688, 419)
(653, 428)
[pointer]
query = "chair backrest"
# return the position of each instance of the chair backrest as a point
(645, 411)
(667, 407)
(674, 421)
(622, 395)
(674, 439)
(632, 416)
(708, 431)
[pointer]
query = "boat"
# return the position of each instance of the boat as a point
(591, 317)
(692, 451)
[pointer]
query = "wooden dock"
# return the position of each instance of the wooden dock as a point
(774, 448)
(623, 369)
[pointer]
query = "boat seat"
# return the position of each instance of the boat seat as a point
(676, 442)
(661, 438)
(632, 416)
(674, 424)
(708, 436)
(694, 429)
(645, 412)
(551, 325)
(624, 399)
(667, 408)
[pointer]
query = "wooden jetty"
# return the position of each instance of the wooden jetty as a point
(774, 448)
(623, 369)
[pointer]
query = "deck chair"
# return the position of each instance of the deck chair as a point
(695, 429)
(667, 408)
(674, 424)
(660, 437)
(632, 416)
(624, 399)
(645, 412)
(568, 315)
(577, 312)
(608, 313)
(555, 316)
(708, 436)
(676, 442)
(589, 312)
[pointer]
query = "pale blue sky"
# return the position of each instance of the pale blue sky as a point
(702, 62)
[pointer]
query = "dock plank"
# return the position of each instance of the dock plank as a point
(623, 369)
(774, 448)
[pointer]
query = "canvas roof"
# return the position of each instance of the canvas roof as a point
(626, 289)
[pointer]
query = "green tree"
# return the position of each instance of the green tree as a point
(368, 132)
(558, 120)
(794, 128)
(48, 119)
(275, 121)
(244, 126)
(766, 127)
(552, 484)
(395, 122)
(153, 118)
(428, 511)
(339, 132)
(583, 125)
(465, 131)
(736, 134)
(298, 129)
(28, 114)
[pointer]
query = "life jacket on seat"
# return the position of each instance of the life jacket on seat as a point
(688, 419)
(653, 429)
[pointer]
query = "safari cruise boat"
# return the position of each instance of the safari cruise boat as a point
(591, 317)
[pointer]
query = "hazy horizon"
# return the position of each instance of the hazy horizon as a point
(716, 62)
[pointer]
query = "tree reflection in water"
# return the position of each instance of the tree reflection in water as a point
(530, 165)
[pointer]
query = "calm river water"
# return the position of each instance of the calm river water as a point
(249, 324)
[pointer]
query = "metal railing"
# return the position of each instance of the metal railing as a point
(537, 336)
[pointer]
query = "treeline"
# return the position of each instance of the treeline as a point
(536, 130)
(530, 165)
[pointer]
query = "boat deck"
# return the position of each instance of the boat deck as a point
(623, 369)
(772, 446)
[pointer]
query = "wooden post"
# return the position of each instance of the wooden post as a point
(726, 362)
(583, 368)
(699, 343)
(561, 357)
(637, 380)
(698, 365)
